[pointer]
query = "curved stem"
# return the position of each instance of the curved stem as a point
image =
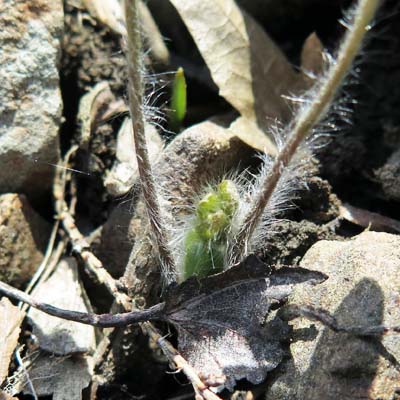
(305, 122)
(135, 90)
(100, 320)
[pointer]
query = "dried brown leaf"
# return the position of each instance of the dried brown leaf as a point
(154, 39)
(248, 131)
(110, 13)
(369, 220)
(312, 56)
(219, 320)
(249, 69)
(10, 321)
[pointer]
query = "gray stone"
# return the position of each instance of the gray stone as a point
(63, 290)
(31, 105)
(124, 172)
(363, 288)
(59, 377)
(389, 176)
(23, 238)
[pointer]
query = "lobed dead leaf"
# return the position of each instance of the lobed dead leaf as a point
(220, 320)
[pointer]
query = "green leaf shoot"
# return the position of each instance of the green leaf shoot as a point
(206, 242)
(178, 100)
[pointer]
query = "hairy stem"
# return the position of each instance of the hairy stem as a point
(135, 90)
(100, 320)
(305, 122)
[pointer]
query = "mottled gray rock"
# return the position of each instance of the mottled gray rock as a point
(31, 106)
(389, 176)
(23, 238)
(64, 290)
(363, 288)
(59, 377)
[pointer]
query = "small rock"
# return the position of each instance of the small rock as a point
(56, 377)
(31, 105)
(23, 238)
(362, 289)
(124, 172)
(389, 176)
(63, 289)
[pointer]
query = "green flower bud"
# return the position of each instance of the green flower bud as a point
(206, 243)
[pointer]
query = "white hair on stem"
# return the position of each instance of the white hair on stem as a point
(304, 124)
(135, 90)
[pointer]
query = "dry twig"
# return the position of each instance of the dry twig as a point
(79, 243)
(368, 219)
(174, 357)
(292, 311)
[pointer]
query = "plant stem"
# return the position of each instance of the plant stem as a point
(305, 122)
(135, 90)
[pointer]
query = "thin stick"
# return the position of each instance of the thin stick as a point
(79, 243)
(45, 260)
(305, 122)
(135, 90)
(92, 263)
(100, 320)
(51, 264)
(292, 311)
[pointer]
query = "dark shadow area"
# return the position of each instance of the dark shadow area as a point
(344, 366)
(271, 80)
(289, 22)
